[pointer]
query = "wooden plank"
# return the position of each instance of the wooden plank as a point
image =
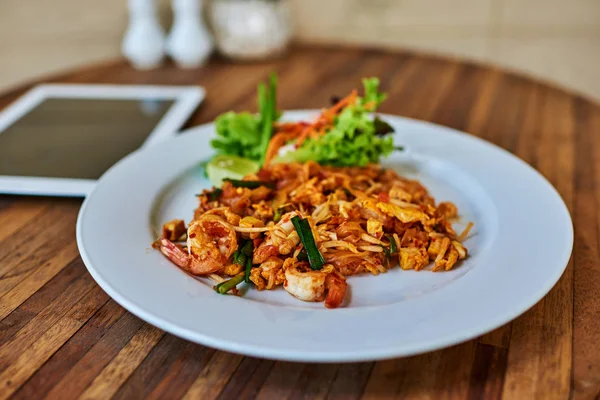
(55, 262)
(247, 379)
(386, 378)
(42, 322)
(40, 300)
(499, 337)
(214, 376)
(586, 309)
(74, 381)
(281, 380)
(18, 251)
(182, 372)
(350, 381)
(488, 372)
(30, 358)
(315, 381)
(150, 372)
(16, 215)
(118, 370)
(513, 100)
(315, 76)
(419, 97)
(555, 379)
(445, 374)
(526, 333)
(482, 105)
(455, 104)
(71, 352)
(540, 353)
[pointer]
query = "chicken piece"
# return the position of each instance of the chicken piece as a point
(263, 211)
(174, 230)
(232, 269)
(396, 192)
(238, 199)
(443, 226)
(226, 214)
(258, 280)
(447, 262)
(308, 193)
(403, 214)
(414, 238)
(461, 250)
(251, 222)
(413, 258)
(375, 228)
(447, 210)
(369, 210)
(269, 274)
(282, 239)
(437, 245)
(260, 193)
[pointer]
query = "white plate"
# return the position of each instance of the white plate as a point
(519, 248)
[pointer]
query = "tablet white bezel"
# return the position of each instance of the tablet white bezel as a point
(187, 99)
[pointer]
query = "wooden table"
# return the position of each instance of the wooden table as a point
(63, 337)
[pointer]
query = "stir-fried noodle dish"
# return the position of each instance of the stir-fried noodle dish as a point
(308, 224)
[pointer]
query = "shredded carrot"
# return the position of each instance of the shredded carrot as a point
(303, 130)
(369, 106)
(277, 141)
(332, 112)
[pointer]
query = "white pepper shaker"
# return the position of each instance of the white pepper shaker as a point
(189, 43)
(144, 41)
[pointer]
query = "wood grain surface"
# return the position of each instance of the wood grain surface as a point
(62, 337)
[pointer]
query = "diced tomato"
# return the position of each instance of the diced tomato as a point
(384, 196)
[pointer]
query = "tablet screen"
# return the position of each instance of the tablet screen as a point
(77, 138)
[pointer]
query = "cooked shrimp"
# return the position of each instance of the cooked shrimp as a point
(211, 242)
(308, 285)
(282, 239)
(268, 274)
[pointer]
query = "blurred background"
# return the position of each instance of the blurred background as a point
(554, 40)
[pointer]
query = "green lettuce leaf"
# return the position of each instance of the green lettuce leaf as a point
(244, 134)
(356, 139)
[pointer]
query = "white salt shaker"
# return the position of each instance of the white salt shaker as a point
(189, 43)
(144, 41)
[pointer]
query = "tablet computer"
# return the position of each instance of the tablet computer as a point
(59, 139)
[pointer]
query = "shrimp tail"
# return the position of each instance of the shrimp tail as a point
(174, 253)
(336, 291)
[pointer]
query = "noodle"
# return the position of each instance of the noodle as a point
(361, 219)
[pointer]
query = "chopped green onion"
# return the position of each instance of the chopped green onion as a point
(348, 193)
(267, 104)
(215, 194)
(387, 253)
(393, 247)
(239, 258)
(303, 255)
(277, 215)
(247, 248)
(248, 269)
(249, 184)
(226, 286)
(315, 258)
